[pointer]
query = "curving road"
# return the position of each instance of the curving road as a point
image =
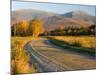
(50, 58)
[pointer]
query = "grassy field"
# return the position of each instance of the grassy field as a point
(19, 57)
(77, 43)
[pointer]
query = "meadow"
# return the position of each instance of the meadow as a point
(84, 41)
(20, 58)
(85, 44)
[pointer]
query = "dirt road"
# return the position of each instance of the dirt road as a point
(50, 58)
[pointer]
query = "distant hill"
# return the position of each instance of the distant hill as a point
(28, 14)
(80, 15)
(54, 20)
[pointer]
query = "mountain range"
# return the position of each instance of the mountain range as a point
(54, 20)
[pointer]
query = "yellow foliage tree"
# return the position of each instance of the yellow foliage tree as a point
(22, 27)
(36, 27)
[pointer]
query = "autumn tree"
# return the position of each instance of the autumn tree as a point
(22, 28)
(36, 27)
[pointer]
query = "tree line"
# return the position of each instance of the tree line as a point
(25, 28)
(35, 28)
(91, 30)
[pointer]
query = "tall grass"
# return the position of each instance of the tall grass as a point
(19, 57)
(83, 41)
(83, 44)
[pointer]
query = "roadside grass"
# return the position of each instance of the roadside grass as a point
(82, 44)
(19, 57)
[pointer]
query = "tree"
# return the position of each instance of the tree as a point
(36, 27)
(22, 28)
(13, 30)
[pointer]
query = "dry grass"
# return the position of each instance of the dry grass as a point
(20, 58)
(81, 44)
(84, 41)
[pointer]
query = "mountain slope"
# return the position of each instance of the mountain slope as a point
(80, 15)
(54, 20)
(28, 14)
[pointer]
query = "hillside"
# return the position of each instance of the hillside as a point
(80, 15)
(55, 20)
(28, 14)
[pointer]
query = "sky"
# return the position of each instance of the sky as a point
(53, 7)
